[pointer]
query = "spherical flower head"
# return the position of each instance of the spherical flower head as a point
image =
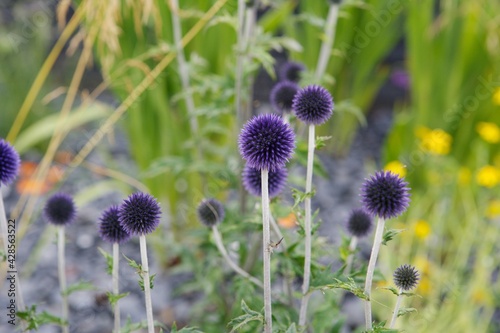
(266, 142)
(9, 163)
(406, 277)
(291, 71)
(252, 181)
(313, 105)
(110, 228)
(385, 194)
(359, 223)
(60, 209)
(282, 96)
(139, 214)
(210, 212)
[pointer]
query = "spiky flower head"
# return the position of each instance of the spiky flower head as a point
(291, 71)
(282, 96)
(252, 181)
(139, 214)
(406, 277)
(9, 163)
(359, 223)
(110, 228)
(313, 105)
(60, 209)
(266, 142)
(385, 194)
(210, 212)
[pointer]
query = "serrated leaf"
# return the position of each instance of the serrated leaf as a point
(241, 321)
(321, 141)
(115, 298)
(404, 311)
(349, 286)
(81, 285)
(109, 261)
(132, 263)
(151, 280)
(34, 320)
(391, 289)
(390, 234)
(300, 196)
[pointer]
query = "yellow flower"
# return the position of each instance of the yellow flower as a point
(482, 296)
(424, 286)
(396, 167)
(488, 176)
(464, 176)
(496, 96)
(422, 229)
(493, 209)
(436, 141)
(489, 132)
(422, 264)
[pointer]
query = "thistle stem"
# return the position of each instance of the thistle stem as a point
(62, 277)
(147, 287)
(116, 247)
(231, 263)
(266, 251)
(350, 259)
(326, 46)
(4, 230)
(307, 229)
(379, 233)
(396, 308)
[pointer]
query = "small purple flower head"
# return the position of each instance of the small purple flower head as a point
(282, 96)
(266, 142)
(252, 181)
(60, 209)
(406, 277)
(313, 105)
(9, 163)
(139, 214)
(210, 212)
(385, 194)
(359, 223)
(110, 228)
(291, 71)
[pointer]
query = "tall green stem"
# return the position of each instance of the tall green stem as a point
(266, 251)
(147, 287)
(307, 229)
(377, 241)
(396, 309)
(62, 277)
(115, 285)
(326, 46)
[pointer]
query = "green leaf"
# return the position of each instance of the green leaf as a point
(292, 329)
(390, 234)
(404, 311)
(115, 298)
(44, 128)
(81, 285)
(300, 196)
(151, 280)
(250, 315)
(109, 261)
(392, 289)
(132, 263)
(34, 321)
(321, 141)
(379, 328)
(349, 286)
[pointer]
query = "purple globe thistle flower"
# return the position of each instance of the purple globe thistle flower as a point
(252, 181)
(109, 227)
(282, 96)
(291, 71)
(406, 277)
(9, 163)
(210, 212)
(385, 194)
(139, 214)
(60, 209)
(313, 105)
(359, 223)
(266, 142)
